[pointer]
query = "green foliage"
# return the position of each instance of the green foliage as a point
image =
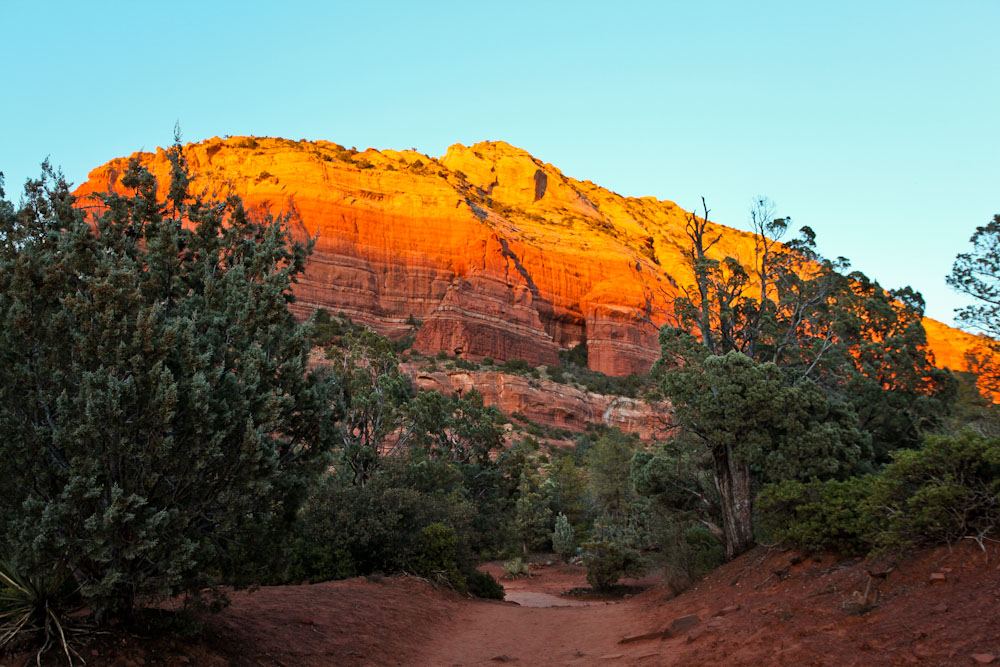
(842, 373)
(820, 516)
(532, 515)
(607, 562)
(517, 366)
(703, 552)
(786, 431)
(609, 460)
(160, 425)
(436, 556)
(576, 355)
(574, 370)
(350, 530)
(935, 495)
(464, 432)
(563, 537)
(485, 585)
(330, 331)
(373, 399)
(677, 477)
(756, 424)
(943, 492)
(565, 486)
(977, 275)
(886, 373)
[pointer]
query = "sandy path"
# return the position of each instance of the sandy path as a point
(492, 633)
(544, 628)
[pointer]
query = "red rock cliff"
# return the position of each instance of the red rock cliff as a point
(497, 253)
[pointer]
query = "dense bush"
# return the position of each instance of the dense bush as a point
(830, 515)
(351, 530)
(935, 495)
(159, 423)
(518, 367)
(485, 585)
(436, 556)
(607, 562)
(941, 493)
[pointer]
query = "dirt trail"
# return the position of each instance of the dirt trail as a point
(940, 607)
(767, 608)
(544, 627)
(496, 633)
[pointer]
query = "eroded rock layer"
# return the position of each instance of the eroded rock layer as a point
(550, 403)
(496, 253)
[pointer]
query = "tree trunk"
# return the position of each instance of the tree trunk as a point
(732, 479)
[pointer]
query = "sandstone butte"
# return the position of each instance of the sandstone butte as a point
(498, 254)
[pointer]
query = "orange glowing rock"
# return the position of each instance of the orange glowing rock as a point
(497, 253)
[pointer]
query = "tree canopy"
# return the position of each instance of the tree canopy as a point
(159, 419)
(977, 275)
(794, 369)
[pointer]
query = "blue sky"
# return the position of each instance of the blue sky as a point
(876, 123)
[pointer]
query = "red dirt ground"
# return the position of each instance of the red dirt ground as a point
(782, 610)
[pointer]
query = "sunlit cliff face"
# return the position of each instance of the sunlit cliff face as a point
(497, 253)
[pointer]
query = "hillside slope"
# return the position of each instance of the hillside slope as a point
(498, 254)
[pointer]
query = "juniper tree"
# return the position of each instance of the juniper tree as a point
(756, 427)
(840, 343)
(159, 420)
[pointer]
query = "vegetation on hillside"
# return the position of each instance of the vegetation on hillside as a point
(165, 434)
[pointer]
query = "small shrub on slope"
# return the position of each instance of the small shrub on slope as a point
(607, 562)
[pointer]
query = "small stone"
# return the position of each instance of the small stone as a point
(503, 658)
(938, 578)
(641, 638)
(611, 656)
(94, 652)
(725, 611)
(683, 623)
(946, 570)
(984, 658)
(940, 608)
(644, 656)
(183, 658)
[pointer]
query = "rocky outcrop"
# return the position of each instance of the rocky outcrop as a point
(498, 254)
(549, 403)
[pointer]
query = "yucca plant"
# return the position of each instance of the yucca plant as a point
(38, 604)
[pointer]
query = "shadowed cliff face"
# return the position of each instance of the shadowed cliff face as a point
(497, 253)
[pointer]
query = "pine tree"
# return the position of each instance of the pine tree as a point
(563, 538)
(160, 423)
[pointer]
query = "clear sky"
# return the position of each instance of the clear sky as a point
(876, 123)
